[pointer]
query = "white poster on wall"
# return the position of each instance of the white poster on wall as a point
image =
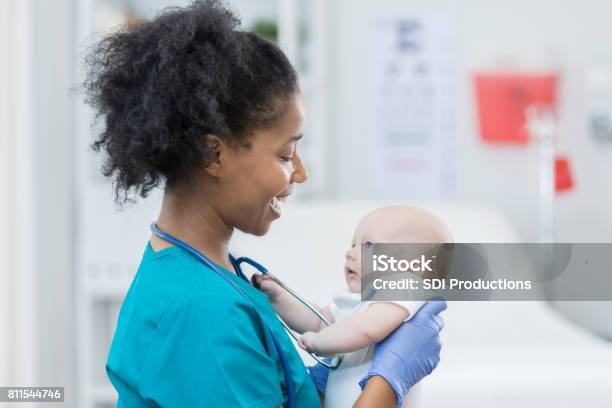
(413, 63)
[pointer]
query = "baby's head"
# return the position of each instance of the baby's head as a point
(393, 224)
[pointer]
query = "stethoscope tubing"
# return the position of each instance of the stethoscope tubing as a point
(203, 259)
(333, 362)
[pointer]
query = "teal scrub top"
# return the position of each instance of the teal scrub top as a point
(186, 338)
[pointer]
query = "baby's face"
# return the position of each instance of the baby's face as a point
(374, 227)
(364, 234)
(398, 224)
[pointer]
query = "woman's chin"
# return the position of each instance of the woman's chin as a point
(263, 222)
(260, 229)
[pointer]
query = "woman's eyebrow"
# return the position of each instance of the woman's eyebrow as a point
(294, 139)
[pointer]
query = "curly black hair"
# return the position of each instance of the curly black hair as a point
(161, 85)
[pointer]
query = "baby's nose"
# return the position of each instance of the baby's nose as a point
(349, 254)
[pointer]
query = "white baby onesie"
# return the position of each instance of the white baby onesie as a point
(343, 384)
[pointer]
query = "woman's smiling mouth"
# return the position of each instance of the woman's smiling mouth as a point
(275, 204)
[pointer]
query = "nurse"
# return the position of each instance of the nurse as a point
(214, 115)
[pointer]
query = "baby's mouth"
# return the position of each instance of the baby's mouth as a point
(351, 273)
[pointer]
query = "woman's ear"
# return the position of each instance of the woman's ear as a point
(214, 156)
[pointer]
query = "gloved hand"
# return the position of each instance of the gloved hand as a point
(411, 352)
(319, 374)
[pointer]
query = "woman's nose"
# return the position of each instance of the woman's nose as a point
(300, 174)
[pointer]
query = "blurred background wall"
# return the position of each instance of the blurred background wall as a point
(5, 177)
(572, 40)
(53, 131)
(67, 255)
(38, 216)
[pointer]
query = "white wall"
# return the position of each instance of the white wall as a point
(17, 297)
(53, 134)
(36, 275)
(526, 34)
(6, 39)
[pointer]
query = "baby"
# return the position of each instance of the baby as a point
(357, 326)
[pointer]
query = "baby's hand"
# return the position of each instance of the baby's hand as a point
(307, 340)
(264, 283)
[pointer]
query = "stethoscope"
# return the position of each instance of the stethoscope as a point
(332, 364)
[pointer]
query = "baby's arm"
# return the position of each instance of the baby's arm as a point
(357, 330)
(297, 316)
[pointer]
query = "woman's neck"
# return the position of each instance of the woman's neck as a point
(191, 218)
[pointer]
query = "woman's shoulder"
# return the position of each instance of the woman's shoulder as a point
(171, 280)
(177, 273)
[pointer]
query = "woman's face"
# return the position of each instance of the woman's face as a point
(254, 180)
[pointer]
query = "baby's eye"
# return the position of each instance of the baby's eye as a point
(286, 159)
(368, 244)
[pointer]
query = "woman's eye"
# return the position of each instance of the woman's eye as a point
(368, 244)
(288, 155)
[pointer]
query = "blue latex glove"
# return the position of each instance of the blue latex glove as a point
(411, 352)
(319, 374)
